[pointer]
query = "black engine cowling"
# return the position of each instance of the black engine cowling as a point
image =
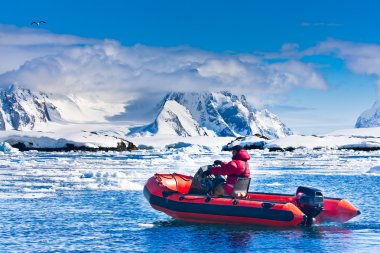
(200, 184)
(310, 201)
(204, 184)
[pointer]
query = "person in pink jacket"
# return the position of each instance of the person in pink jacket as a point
(234, 169)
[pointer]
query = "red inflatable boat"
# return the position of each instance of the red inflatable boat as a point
(182, 197)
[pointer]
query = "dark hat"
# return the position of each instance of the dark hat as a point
(237, 148)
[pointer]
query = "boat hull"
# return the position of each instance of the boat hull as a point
(168, 193)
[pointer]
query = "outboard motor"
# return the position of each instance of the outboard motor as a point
(200, 184)
(310, 202)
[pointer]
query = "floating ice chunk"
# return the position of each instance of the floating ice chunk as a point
(375, 169)
(5, 147)
(183, 147)
(87, 174)
(145, 147)
(113, 180)
(274, 184)
(178, 145)
(39, 190)
(117, 185)
(130, 186)
(146, 225)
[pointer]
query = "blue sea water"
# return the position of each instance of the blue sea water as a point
(83, 202)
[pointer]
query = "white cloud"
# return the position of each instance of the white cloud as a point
(114, 73)
(14, 36)
(360, 58)
(17, 45)
(296, 74)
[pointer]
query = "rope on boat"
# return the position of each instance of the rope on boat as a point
(183, 178)
(172, 176)
(159, 177)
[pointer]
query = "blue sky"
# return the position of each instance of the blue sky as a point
(242, 26)
(334, 41)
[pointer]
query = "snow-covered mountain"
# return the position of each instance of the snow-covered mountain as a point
(175, 119)
(23, 109)
(46, 122)
(370, 117)
(212, 114)
(20, 109)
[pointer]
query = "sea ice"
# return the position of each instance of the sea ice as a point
(375, 170)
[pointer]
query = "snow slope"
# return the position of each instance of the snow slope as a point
(175, 119)
(23, 109)
(358, 139)
(57, 136)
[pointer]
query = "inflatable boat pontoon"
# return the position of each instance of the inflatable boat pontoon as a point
(185, 198)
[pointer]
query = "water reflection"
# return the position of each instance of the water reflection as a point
(227, 238)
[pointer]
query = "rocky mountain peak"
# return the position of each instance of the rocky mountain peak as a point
(219, 113)
(370, 117)
(21, 109)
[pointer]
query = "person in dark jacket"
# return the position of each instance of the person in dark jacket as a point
(234, 169)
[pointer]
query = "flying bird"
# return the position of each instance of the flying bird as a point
(38, 23)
